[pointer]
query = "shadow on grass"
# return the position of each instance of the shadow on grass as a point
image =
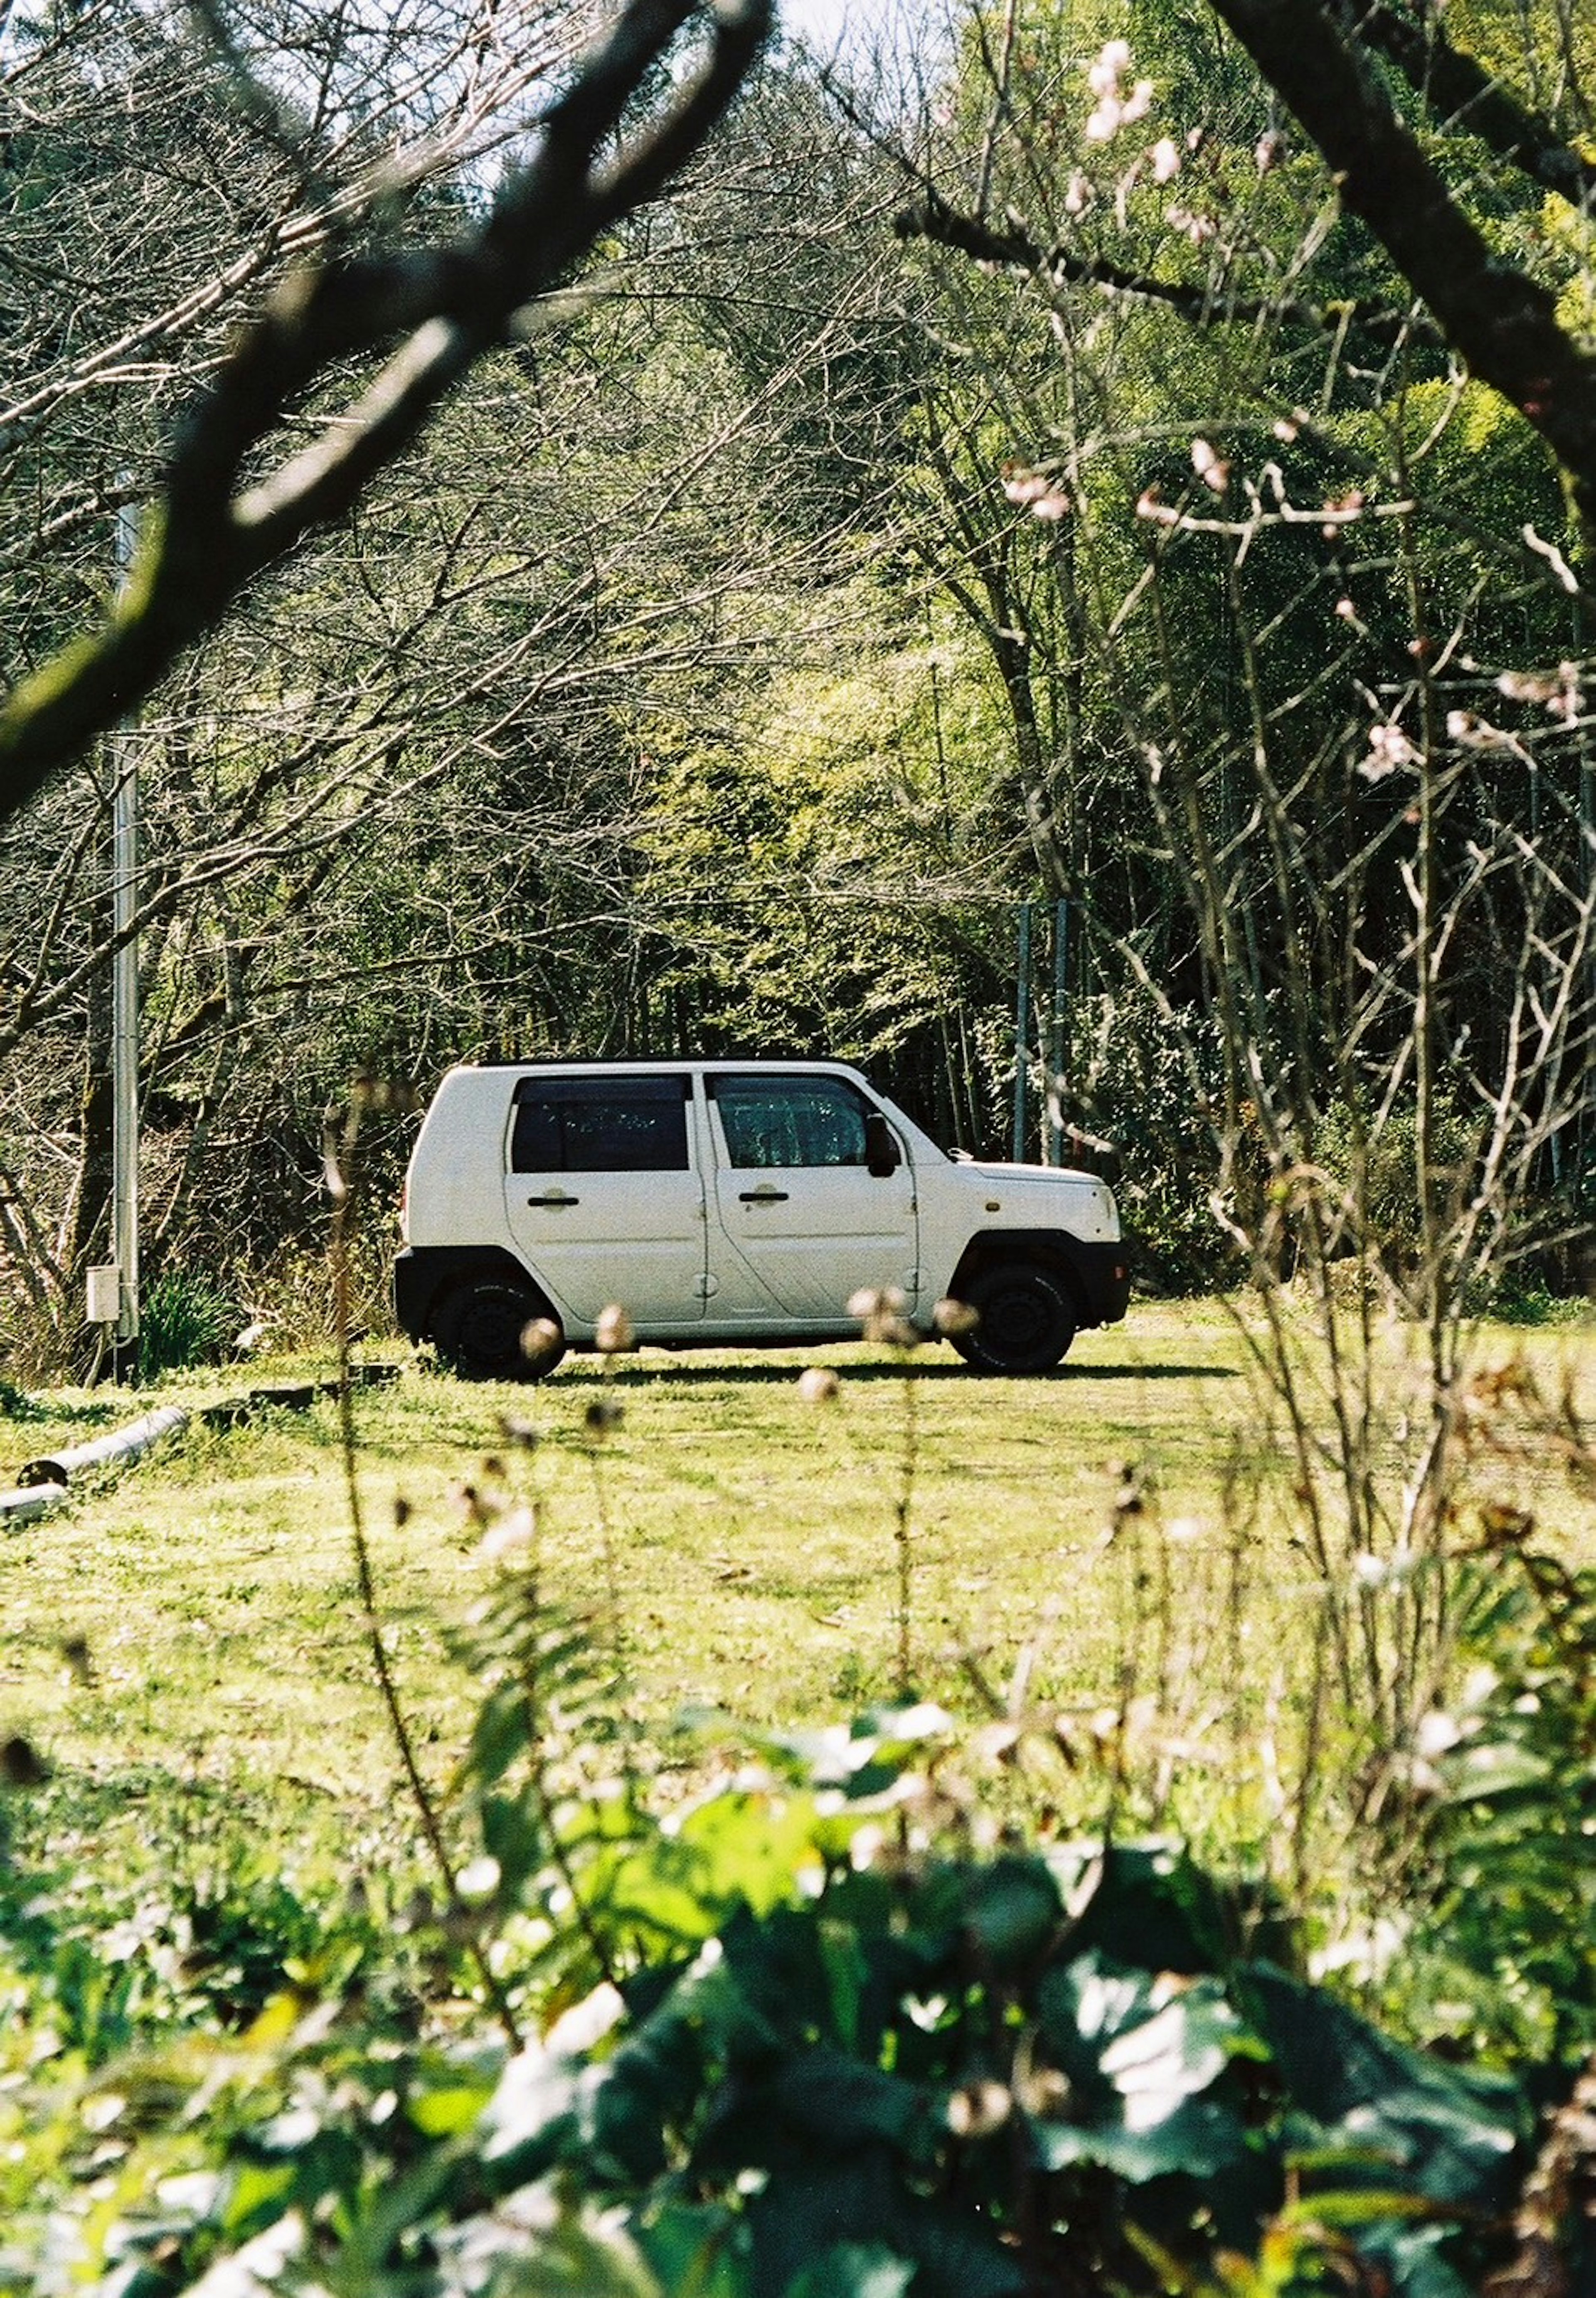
(17, 1405)
(646, 1376)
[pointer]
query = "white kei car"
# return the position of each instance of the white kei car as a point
(729, 1202)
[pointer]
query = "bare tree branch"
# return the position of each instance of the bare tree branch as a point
(932, 217)
(1462, 95)
(206, 540)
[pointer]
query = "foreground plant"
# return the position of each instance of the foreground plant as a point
(800, 2036)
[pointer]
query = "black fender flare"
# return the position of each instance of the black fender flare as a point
(1095, 1272)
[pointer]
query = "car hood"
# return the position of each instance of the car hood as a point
(1039, 1189)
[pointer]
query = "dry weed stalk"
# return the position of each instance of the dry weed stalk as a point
(340, 1142)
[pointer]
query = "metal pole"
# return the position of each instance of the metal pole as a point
(1060, 991)
(124, 1022)
(1021, 1032)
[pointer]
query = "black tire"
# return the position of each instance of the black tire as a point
(478, 1331)
(1027, 1319)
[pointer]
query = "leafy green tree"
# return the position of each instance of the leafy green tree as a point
(1244, 479)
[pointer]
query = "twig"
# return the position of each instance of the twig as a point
(909, 1462)
(338, 1148)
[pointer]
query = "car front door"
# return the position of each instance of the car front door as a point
(802, 1223)
(604, 1194)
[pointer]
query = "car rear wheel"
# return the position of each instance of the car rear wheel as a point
(479, 1330)
(1026, 1319)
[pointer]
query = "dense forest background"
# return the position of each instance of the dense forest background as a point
(998, 471)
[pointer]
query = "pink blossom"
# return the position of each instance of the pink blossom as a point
(1196, 228)
(1210, 466)
(1036, 492)
(1114, 110)
(1113, 62)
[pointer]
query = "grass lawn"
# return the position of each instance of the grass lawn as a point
(219, 1671)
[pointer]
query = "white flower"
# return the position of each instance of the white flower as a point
(540, 1339)
(1388, 748)
(1196, 228)
(1367, 1955)
(516, 1529)
(477, 1881)
(1529, 686)
(1034, 491)
(978, 2109)
(1472, 733)
(1557, 691)
(577, 2030)
(1435, 1733)
(1112, 109)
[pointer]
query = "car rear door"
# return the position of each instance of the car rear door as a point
(800, 1222)
(604, 1194)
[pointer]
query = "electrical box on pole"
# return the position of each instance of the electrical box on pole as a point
(105, 1293)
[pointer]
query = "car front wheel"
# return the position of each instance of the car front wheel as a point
(1026, 1322)
(479, 1332)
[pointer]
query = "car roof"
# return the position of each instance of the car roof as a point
(642, 1067)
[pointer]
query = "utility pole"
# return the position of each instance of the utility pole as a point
(1058, 1035)
(124, 1022)
(1022, 1033)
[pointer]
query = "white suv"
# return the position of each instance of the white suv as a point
(729, 1202)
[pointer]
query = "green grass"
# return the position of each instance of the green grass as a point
(228, 1682)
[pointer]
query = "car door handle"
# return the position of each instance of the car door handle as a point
(553, 1200)
(762, 1196)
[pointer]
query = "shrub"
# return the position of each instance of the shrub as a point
(1503, 1956)
(810, 2040)
(187, 1320)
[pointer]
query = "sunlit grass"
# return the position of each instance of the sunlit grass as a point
(219, 1666)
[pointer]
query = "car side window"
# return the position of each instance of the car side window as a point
(600, 1125)
(791, 1121)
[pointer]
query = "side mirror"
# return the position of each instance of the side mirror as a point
(883, 1156)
